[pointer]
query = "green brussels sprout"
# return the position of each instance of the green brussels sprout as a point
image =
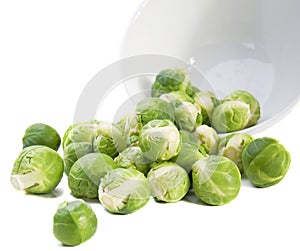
(38, 169)
(152, 109)
(207, 101)
(74, 222)
(187, 115)
(208, 138)
(133, 157)
(41, 134)
(109, 139)
(230, 116)
(124, 191)
(86, 173)
(171, 80)
(232, 147)
(159, 140)
(80, 132)
(176, 95)
(216, 180)
(265, 161)
(249, 99)
(169, 182)
(73, 152)
(131, 127)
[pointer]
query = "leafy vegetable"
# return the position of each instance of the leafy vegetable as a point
(74, 222)
(38, 169)
(216, 180)
(265, 161)
(124, 191)
(169, 182)
(41, 134)
(159, 140)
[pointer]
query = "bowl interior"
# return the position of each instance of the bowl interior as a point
(237, 44)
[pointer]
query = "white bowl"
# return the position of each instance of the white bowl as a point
(238, 44)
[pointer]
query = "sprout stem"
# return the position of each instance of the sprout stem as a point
(23, 181)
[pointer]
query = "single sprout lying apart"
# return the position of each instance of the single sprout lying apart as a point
(153, 108)
(230, 116)
(265, 162)
(248, 98)
(41, 134)
(85, 174)
(208, 138)
(74, 151)
(160, 140)
(124, 191)
(216, 180)
(38, 169)
(74, 222)
(172, 80)
(169, 182)
(133, 157)
(232, 147)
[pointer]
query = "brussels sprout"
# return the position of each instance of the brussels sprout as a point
(172, 80)
(153, 108)
(124, 191)
(216, 180)
(131, 127)
(159, 140)
(109, 139)
(74, 222)
(86, 172)
(133, 157)
(208, 138)
(38, 169)
(41, 134)
(169, 182)
(207, 101)
(172, 96)
(80, 132)
(187, 115)
(73, 152)
(265, 161)
(249, 99)
(230, 116)
(232, 146)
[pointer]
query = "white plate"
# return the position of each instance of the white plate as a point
(238, 44)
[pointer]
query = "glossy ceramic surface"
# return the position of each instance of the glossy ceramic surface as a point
(238, 44)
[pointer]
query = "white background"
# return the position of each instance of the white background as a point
(49, 50)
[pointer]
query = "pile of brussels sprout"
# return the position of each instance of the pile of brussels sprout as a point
(169, 145)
